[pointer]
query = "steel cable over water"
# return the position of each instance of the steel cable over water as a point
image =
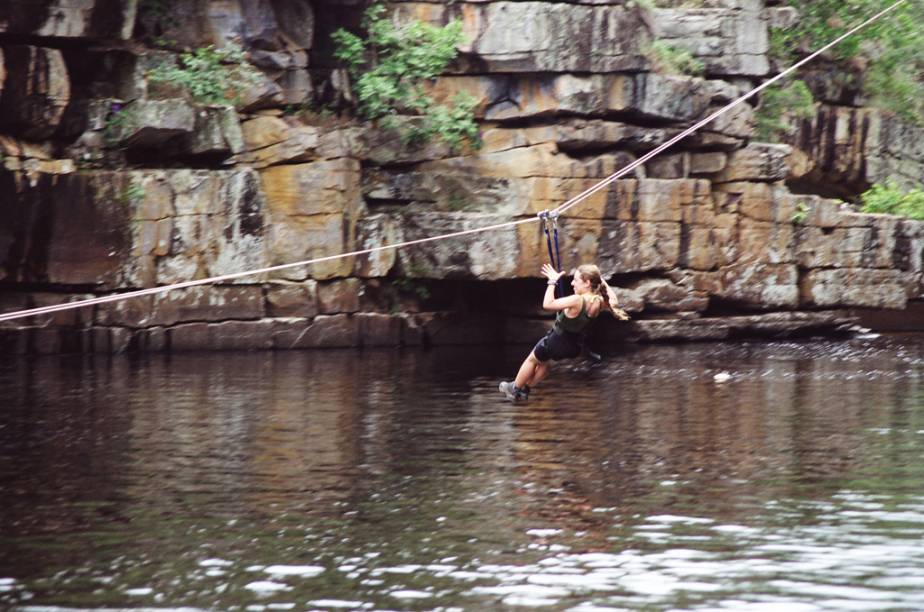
(557, 211)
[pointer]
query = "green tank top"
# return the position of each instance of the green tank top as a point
(578, 324)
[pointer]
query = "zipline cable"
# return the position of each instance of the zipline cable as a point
(557, 211)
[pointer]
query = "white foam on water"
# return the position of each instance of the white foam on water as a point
(739, 529)
(302, 571)
(650, 583)
(401, 569)
(683, 553)
(699, 587)
(835, 591)
(592, 607)
(866, 606)
(910, 581)
(543, 533)
(525, 601)
(523, 590)
(557, 548)
(468, 576)
(214, 563)
(336, 603)
(761, 606)
(266, 586)
(704, 568)
(582, 582)
(410, 594)
(139, 592)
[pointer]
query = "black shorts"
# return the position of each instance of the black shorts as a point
(558, 345)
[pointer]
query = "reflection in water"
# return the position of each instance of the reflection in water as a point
(384, 480)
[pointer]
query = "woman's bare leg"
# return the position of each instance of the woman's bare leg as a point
(527, 371)
(539, 374)
(531, 373)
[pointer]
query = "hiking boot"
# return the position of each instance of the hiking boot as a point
(523, 393)
(510, 391)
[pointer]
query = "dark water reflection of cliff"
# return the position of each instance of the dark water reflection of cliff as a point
(388, 480)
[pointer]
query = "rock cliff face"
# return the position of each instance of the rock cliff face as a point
(110, 182)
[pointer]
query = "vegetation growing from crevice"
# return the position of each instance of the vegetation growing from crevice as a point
(669, 59)
(210, 75)
(890, 198)
(392, 65)
(892, 48)
(779, 105)
(117, 119)
(800, 213)
(134, 192)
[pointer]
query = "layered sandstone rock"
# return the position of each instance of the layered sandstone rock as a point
(518, 37)
(730, 41)
(94, 197)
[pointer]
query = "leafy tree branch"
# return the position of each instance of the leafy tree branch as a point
(391, 66)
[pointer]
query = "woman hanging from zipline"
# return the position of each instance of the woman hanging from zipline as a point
(566, 338)
(575, 313)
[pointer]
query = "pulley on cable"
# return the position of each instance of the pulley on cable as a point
(550, 224)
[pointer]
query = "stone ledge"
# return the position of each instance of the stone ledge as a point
(383, 330)
(770, 326)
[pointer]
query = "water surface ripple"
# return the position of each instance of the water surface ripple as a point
(776, 476)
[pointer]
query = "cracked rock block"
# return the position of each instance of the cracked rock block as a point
(729, 41)
(760, 284)
(855, 287)
(553, 37)
(95, 19)
(642, 96)
(35, 93)
(313, 212)
(291, 299)
(850, 148)
(757, 162)
(67, 229)
(217, 133)
(147, 124)
(270, 141)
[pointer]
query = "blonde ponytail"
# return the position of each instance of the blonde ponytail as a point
(598, 285)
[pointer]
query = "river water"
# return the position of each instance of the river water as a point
(773, 476)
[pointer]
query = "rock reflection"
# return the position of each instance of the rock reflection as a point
(389, 480)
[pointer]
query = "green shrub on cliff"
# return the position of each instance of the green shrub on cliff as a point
(392, 64)
(209, 74)
(669, 59)
(892, 48)
(889, 198)
(779, 104)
